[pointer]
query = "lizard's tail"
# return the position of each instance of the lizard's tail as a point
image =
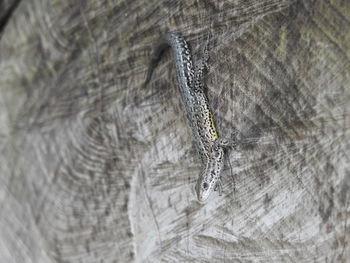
(162, 45)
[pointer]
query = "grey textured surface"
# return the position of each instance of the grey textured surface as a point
(6, 9)
(88, 176)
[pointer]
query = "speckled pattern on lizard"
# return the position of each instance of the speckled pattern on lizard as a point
(191, 82)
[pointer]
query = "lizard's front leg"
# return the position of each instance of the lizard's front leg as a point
(218, 186)
(226, 142)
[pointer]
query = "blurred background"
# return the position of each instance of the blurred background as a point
(88, 175)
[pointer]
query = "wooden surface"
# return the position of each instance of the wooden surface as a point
(6, 9)
(89, 176)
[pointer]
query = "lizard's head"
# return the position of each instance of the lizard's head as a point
(210, 175)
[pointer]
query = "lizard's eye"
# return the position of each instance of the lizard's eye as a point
(205, 186)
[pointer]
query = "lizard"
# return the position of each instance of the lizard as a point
(191, 83)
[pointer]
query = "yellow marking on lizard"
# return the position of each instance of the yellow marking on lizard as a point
(212, 127)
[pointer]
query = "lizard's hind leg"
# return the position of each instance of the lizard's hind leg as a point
(202, 67)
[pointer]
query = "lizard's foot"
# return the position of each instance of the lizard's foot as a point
(227, 142)
(218, 186)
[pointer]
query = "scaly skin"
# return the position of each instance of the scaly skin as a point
(209, 145)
